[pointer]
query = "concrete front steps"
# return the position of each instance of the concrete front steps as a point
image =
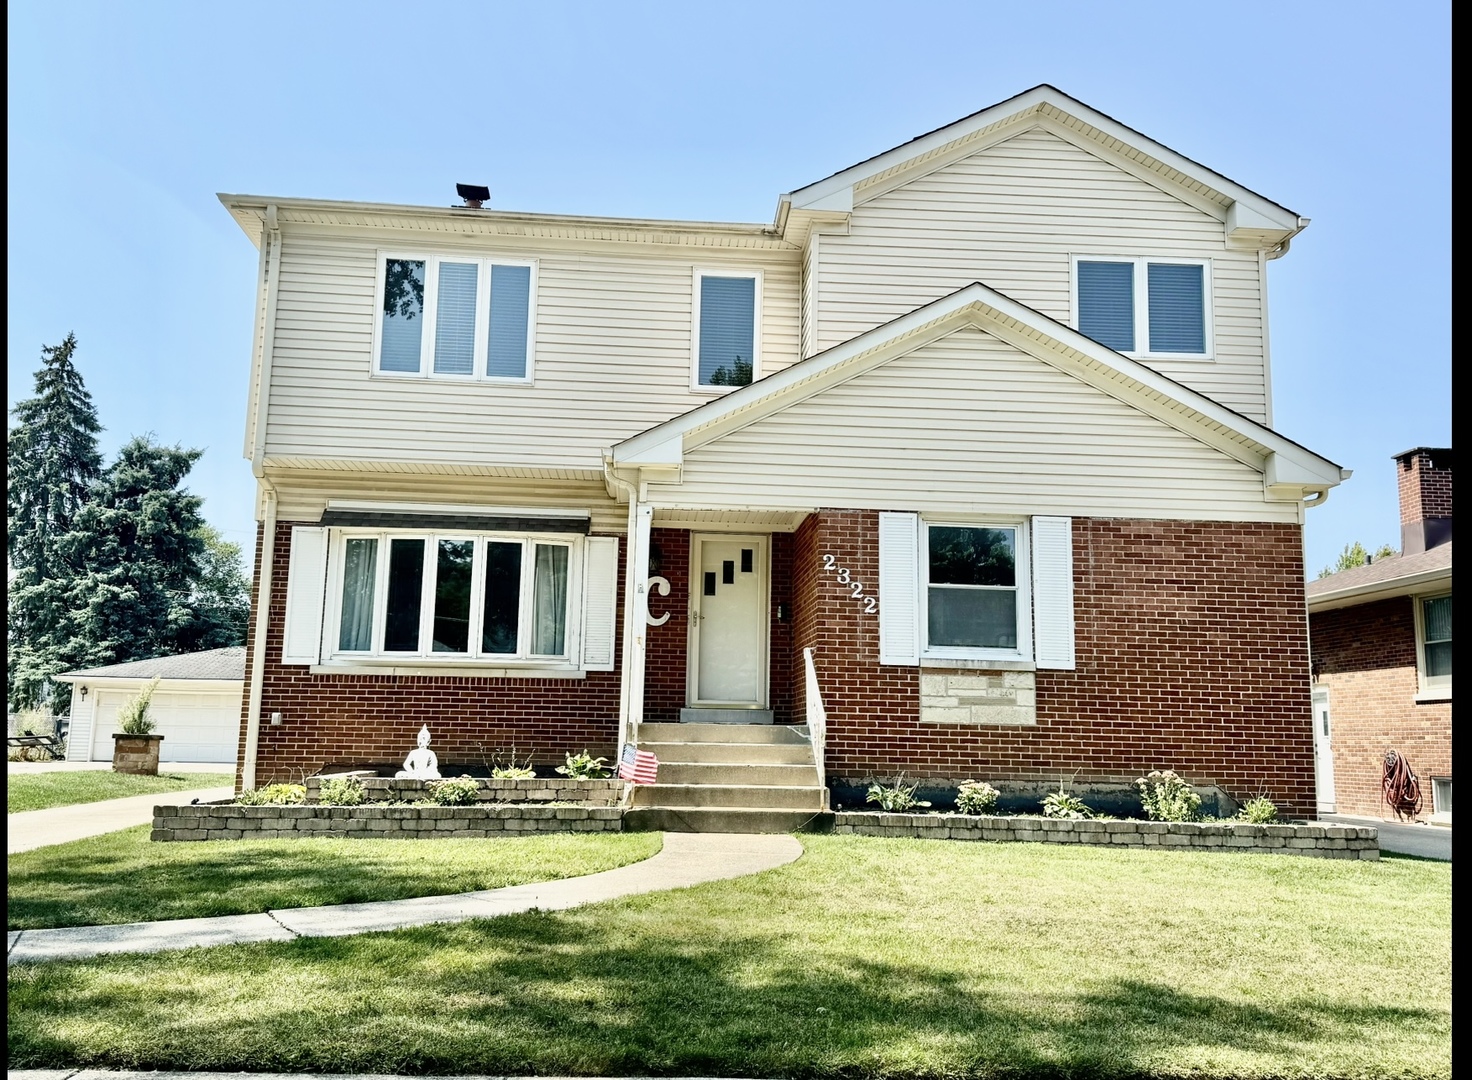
(725, 777)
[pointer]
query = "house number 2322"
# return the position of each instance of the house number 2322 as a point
(855, 588)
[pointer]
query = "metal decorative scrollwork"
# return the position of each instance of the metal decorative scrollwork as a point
(663, 587)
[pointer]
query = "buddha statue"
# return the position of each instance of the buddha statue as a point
(421, 764)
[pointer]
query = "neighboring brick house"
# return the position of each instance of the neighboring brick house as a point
(981, 425)
(1382, 655)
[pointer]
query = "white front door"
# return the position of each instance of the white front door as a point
(1323, 752)
(728, 621)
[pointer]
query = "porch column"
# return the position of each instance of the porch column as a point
(636, 623)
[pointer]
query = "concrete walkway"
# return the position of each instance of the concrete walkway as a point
(32, 829)
(1405, 838)
(686, 859)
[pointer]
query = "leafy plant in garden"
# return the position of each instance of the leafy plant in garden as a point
(273, 795)
(461, 791)
(1060, 804)
(514, 772)
(341, 791)
(976, 797)
(896, 797)
(1258, 811)
(584, 766)
(133, 717)
(1166, 797)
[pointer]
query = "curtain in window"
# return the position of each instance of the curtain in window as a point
(403, 315)
(549, 600)
(511, 290)
(1437, 624)
(454, 323)
(727, 330)
(359, 573)
(1106, 303)
(1177, 308)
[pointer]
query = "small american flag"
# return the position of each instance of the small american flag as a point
(638, 766)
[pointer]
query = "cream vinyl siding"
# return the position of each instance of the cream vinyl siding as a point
(969, 424)
(1011, 216)
(612, 356)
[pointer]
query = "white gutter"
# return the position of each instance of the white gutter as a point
(258, 642)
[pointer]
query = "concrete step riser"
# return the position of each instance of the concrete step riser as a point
(750, 798)
(667, 819)
(745, 774)
(729, 753)
(723, 733)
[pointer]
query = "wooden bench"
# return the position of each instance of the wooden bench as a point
(50, 743)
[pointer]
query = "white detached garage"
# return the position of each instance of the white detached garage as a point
(196, 707)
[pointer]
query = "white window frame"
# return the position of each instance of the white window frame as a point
(696, 386)
(1023, 564)
(432, 261)
(1142, 302)
(1430, 688)
(332, 628)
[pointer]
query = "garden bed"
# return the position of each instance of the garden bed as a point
(1316, 841)
(396, 822)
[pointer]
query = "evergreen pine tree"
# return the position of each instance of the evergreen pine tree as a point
(52, 459)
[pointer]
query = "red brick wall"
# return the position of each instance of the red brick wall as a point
(1425, 488)
(1192, 655)
(376, 718)
(1366, 656)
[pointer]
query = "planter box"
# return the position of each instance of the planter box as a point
(540, 789)
(1314, 840)
(136, 754)
(487, 820)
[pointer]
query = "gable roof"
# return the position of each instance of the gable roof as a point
(1399, 575)
(1290, 471)
(213, 664)
(1251, 218)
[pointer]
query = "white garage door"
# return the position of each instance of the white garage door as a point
(195, 726)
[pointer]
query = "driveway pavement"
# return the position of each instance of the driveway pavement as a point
(32, 829)
(1420, 839)
(14, 767)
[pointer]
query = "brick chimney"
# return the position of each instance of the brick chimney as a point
(1425, 479)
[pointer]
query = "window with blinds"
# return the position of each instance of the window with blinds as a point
(727, 329)
(1144, 307)
(455, 317)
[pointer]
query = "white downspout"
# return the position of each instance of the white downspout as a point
(258, 642)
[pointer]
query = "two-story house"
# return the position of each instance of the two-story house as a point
(980, 426)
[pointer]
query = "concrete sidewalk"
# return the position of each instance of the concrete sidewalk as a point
(33, 829)
(1405, 838)
(686, 859)
(13, 768)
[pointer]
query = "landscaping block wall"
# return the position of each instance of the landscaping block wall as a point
(492, 790)
(376, 822)
(360, 718)
(1366, 657)
(1192, 654)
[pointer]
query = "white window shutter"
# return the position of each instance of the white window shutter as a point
(600, 602)
(306, 586)
(1052, 591)
(899, 589)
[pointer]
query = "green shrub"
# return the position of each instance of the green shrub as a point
(133, 718)
(584, 767)
(514, 772)
(461, 791)
(1258, 811)
(896, 798)
(273, 795)
(1060, 804)
(977, 797)
(341, 791)
(1166, 797)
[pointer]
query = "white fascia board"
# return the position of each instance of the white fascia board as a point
(477, 509)
(118, 682)
(1283, 218)
(1427, 581)
(1298, 471)
(991, 311)
(665, 452)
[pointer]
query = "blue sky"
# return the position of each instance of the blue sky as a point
(125, 120)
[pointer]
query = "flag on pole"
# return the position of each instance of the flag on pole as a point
(637, 766)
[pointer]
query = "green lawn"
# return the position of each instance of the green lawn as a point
(41, 791)
(123, 877)
(866, 958)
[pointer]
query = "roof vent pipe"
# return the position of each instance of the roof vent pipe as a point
(474, 195)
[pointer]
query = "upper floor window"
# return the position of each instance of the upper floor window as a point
(975, 591)
(446, 316)
(727, 320)
(1434, 629)
(1144, 306)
